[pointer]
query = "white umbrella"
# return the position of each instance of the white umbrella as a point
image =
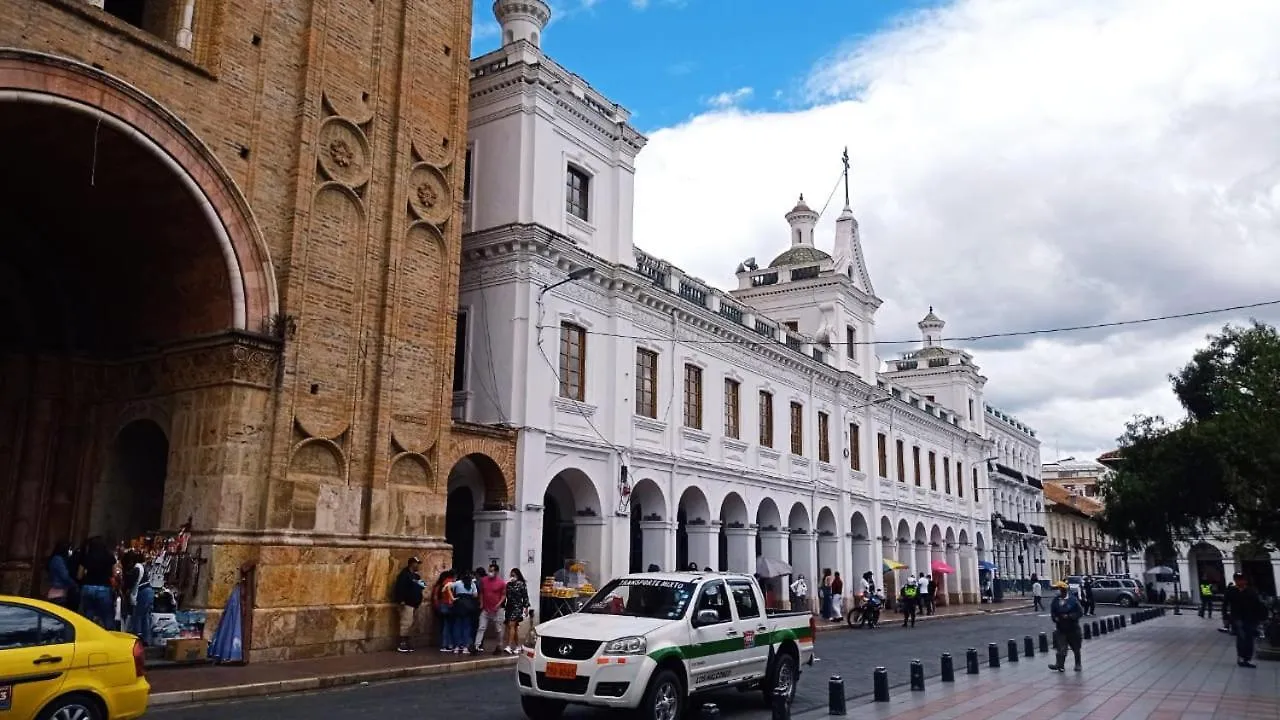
(1160, 570)
(767, 567)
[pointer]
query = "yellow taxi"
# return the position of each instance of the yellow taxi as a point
(57, 665)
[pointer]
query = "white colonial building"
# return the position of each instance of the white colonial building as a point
(664, 422)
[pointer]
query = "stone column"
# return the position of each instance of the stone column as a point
(492, 530)
(1185, 581)
(805, 562)
(655, 536)
(773, 543)
(589, 547)
(703, 545)
(742, 549)
(1275, 572)
(970, 593)
(184, 37)
(863, 560)
(942, 581)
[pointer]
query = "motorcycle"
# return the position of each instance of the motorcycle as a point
(868, 613)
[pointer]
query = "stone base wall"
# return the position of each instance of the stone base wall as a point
(953, 598)
(317, 600)
(970, 598)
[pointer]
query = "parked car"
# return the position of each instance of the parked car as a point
(649, 642)
(1125, 592)
(56, 664)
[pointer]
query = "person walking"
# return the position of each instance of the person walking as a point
(1066, 611)
(931, 595)
(1037, 602)
(517, 609)
(910, 599)
(1086, 596)
(824, 594)
(1206, 598)
(1228, 595)
(462, 616)
(493, 595)
(1247, 612)
(63, 589)
(408, 593)
(837, 598)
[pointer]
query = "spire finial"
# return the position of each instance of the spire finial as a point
(845, 160)
(930, 308)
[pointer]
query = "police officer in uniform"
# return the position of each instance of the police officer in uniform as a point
(1206, 598)
(910, 598)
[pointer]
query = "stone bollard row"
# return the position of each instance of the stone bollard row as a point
(948, 670)
(1088, 633)
(971, 661)
(1013, 650)
(1044, 643)
(993, 655)
(917, 676)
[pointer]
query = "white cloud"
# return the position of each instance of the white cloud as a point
(1018, 165)
(730, 98)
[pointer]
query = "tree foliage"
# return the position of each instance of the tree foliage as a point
(1220, 465)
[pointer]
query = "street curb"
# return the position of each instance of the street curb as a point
(829, 627)
(279, 687)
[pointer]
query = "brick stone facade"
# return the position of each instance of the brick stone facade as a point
(254, 247)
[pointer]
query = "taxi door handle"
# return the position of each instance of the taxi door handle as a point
(762, 628)
(732, 632)
(46, 660)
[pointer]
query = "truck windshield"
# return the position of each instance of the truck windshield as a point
(642, 597)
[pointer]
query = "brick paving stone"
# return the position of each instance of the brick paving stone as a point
(1176, 667)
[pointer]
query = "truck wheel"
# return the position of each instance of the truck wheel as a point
(784, 676)
(536, 708)
(663, 699)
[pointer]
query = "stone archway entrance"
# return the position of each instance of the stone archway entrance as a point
(128, 498)
(478, 519)
(132, 285)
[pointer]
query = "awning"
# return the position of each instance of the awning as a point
(1009, 472)
(1015, 526)
(1037, 530)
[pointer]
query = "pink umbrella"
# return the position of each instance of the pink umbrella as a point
(942, 568)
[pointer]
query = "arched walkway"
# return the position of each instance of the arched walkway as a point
(735, 541)
(695, 535)
(477, 504)
(804, 558)
(1205, 563)
(130, 262)
(650, 527)
(572, 525)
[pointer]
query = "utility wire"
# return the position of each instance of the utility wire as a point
(970, 338)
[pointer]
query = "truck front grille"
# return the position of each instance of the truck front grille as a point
(569, 649)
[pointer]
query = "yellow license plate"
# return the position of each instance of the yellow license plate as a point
(562, 671)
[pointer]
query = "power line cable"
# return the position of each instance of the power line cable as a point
(971, 338)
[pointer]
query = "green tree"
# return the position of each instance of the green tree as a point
(1218, 465)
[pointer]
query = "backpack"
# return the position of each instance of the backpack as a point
(466, 604)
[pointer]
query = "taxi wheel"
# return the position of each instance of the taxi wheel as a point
(536, 708)
(73, 707)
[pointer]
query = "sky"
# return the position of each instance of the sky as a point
(1016, 164)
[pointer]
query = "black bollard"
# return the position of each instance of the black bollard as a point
(948, 671)
(1095, 628)
(835, 698)
(1013, 650)
(880, 683)
(1111, 624)
(781, 704)
(1124, 621)
(1028, 646)
(993, 655)
(971, 661)
(1088, 635)
(1103, 626)
(1044, 642)
(917, 675)
(710, 711)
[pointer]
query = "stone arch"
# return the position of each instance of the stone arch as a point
(733, 509)
(573, 524)
(39, 79)
(693, 512)
(128, 498)
(798, 518)
(767, 514)
(733, 553)
(488, 452)
(647, 508)
(858, 526)
(886, 529)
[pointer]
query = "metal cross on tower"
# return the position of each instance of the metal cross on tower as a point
(845, 160)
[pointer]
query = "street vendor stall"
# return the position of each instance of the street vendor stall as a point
(173, 572)
(565, 592)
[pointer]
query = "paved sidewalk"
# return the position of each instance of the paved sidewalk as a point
(947, 611)
(1162, 669)
(212, 682)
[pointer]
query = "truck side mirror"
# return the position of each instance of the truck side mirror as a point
(706, 617)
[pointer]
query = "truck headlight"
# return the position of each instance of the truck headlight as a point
(626, 646)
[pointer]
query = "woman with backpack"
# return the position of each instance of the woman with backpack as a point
(442, 603)
(463, 614)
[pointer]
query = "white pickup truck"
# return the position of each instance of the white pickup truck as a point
(648, 642)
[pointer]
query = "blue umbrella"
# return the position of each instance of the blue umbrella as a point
(986, 565)
(227, 644)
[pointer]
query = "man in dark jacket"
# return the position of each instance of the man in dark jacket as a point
(1247, 612)
(1066, 611)
(408, 592)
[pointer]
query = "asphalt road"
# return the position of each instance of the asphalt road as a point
(853, 654)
